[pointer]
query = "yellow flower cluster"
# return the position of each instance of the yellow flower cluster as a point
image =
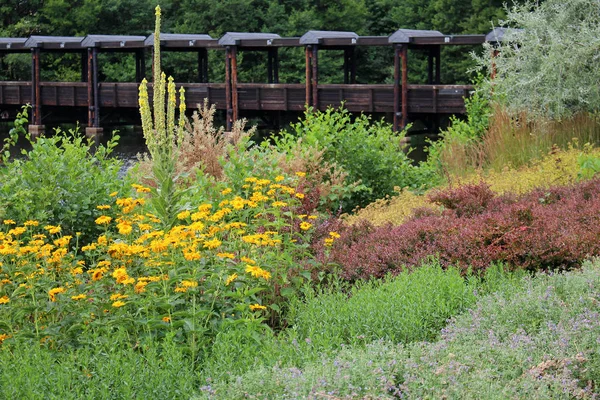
(213, 253)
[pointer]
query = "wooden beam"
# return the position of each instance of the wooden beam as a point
(96, 88)
(346, 66)
(228, 107)
(36, 95)
(234, 79)
(275, 65)
(430, 66)
(90, 88)
(438, 65)
(404, 55)
(315, 76)
(202, 65)
(353, 65)
(269, 66)
(140, 65)
(84, 67)
(308, 77)
(396, 87)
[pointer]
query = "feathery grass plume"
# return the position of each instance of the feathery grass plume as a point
(163, 137)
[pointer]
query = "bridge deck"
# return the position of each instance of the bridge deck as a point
(426, 99)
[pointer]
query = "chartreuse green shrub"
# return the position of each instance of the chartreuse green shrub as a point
(369, 152)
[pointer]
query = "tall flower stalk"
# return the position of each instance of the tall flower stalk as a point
(163, 136)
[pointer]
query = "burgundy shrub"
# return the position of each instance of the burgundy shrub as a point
(547, 229)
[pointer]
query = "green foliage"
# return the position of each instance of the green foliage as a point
(60, 181)
(369, 152)
(416, 306)
(106, 370)
(534, 337)
(589, 165)
(549, 67)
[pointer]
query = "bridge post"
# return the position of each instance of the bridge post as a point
(140, 65)
(93, 130)
(315, 76)
(308, 78)
(396, 87)
(228, 106)
(234, 79)
(202, 65)
(36, 129)
(404, 55)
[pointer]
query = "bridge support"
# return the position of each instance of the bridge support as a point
(400, 87)
(95, 133)
(36, 130)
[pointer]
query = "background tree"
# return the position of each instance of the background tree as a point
(549, 67)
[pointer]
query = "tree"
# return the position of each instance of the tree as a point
(549, 67)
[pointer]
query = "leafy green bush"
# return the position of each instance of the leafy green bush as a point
(370, 152)
(60, 181)
(416, 306)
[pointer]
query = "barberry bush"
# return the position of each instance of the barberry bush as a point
(553, 228)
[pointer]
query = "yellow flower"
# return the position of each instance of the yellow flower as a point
(226, 255)
(300, 174)
(113, 194)
(77, 271)
(334, 235)
(254, 307)
(312, 217)
(140, 286)
(328, 242)
(226, 191)
(17, 231)
(230, 279)
(279, 178)
(103, 207)
(189, 284)
(118, 304)
(4, 300)
(212, 244)
(31, 223)
(305, 226)
(191, 254)
(103, 220)
(248, 260)
(183, 214)
(118, 296)
(279, 204)
(166, 319)
(180, 290)
(299, 195)
(97, 274)
(52, 229)
(63, 241)
(53, 292)
(79, 297)
(88, 247)
(124, 227)
(9, 222)
(140, 188)
(237, 203)
(258, 272)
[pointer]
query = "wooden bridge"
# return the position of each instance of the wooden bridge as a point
(400, 99)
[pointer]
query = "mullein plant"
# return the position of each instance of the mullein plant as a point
(163, 136)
